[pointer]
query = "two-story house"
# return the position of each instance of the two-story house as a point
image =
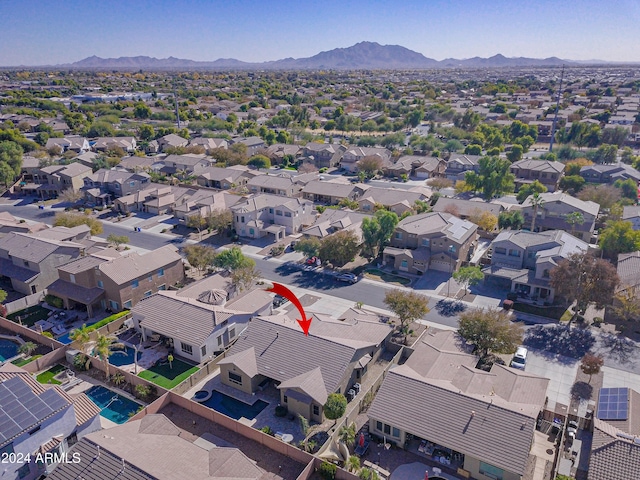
(418, 167)
(283, 185)
(263, 214)
(31, 262)
(170, 141)
(324, 155)
(254, 144)
(437, 241)
(104, 185)
(599, 173)
(553, 211)
(57, 178)
(393, 199)
(112, 281)
(208, 143)
(522, 261)
(39, 419)
(71, 142)
(306, 369)
(191, 164)
(104, 144)
(545, 171)
(329, 192)
(222, 178)
(279, 151)
(331, 221)
(631, 213)
(458, 164)
(353, 155)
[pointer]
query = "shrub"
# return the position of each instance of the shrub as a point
(335, 406)
(81, 362)
(142, 391)
(281, 411)
(328, 470)
(107, 320)
(53, 301)
(267, 429)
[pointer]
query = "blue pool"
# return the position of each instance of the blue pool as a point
(114, 407)
(121, 357)
(65, 338)
(234, 408)
(8, 349)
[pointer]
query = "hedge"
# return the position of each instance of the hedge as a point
(109, 319)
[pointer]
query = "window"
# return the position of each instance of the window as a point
(72, 439)
(186, 348)
(404, 264)
(242, 219)
(514, 253)
(491, 471)
(287, 214)
(531, 254)
(235, 378)
(426, 242)
(399, 235)
(151, 278)
(452, 248)
(203, 350)
(127, 304)
(161, 272)
(271, 210)
(251, 231)
(134, 284)
(387, 429)
(34, 430)
(114, 305)
(395, 432)
(379, 426)
(116, 186)
(545, 274)
(26, 263)
(132, 184)
(100, 284)
(162, 287)
(72, 278)
(219, 341)
(500, 251)
(316, 410)
(147, 293)
(279, 213)
(232, 332)
(285, 399)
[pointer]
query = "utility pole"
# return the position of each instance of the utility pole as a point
(175, 101)
(555, 118)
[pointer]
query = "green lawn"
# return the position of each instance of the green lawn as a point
(379, 275)
(549, 312)
(21, 362)
(166, 377)
(30, 315)
(47, 377)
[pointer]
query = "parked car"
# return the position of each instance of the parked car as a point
(313, 261)
(292, 246)
(279, 300)
(347, 278)
(520, 358)
(572, 430)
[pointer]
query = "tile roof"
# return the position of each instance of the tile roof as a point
(127, 268)
(27, 247)
(549, 198)
(615, 455)
(390, 196)
(81, 264)
(425, 223)
(466, 207)
(75, 292)
(258, 202)
(629, 268)
(333, 189)
(538, 165)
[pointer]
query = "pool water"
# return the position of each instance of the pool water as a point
(65, 338)
(234, 408)
(114, 407)
(8, 349)
(120, 357)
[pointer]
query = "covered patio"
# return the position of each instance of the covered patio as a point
(72, 294)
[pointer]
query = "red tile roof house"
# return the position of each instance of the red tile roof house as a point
(484, 421)
(306, 369)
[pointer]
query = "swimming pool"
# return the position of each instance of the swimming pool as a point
(65, 338)
(234, 408)
(114, 407)
(8, 349)
(120, 357)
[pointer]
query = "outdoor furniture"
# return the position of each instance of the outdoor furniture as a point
(285, 437)
(59, 330)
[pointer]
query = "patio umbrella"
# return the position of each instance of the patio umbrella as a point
(361, 440)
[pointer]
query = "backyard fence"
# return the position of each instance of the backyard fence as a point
(46, 361)
(24, 302)
(198, 376)
(30, 334)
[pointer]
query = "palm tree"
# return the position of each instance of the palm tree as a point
(118, 379)
(105, 344)
(536, 202)
(353, 464)
(27, 348)
(347, 434)
(573, 219)
(82, 336)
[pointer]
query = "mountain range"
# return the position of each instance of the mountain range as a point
(361, 56)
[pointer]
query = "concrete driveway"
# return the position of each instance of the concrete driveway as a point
(561, 375)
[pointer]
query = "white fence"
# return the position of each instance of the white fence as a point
(24, 302)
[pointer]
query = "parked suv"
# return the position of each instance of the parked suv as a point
(519, 359)
(347, 278)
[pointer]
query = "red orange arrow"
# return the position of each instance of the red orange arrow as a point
(280, 289)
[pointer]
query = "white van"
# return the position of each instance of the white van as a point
(519, 359)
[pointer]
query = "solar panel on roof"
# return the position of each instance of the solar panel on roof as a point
(613, 404)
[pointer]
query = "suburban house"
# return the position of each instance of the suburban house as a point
(278, 151)
(39, 419)
(137, 164)
(71, 142)
(170, 141)
(254, 144)
(329, 192)
(599, 173)
(331, 221)
(483, 423)
(204, 202)
(191, 164)
(87, 158)
(30, 169)
(52, 180)
(108, 280)
(552, 214)
(197, 329)
(353, 155)
(546, 172)
(436, 241)
(521, 261)
(263, 214)
(208, 143)
(222, 178)
(9, 223)
(631, 213)
(393, 199)
(416, 166)
(615, 449)
(324, 155)
(466, 208)
(283, 185)
(31, 262)
(306, 369)
(629, 271)
(103, 144)
(155, 448)
(458, 164)
(101, 187)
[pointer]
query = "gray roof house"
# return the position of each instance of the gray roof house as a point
(546, 172)
(324, 155)
(71, 142)
(418, 167)
(466, 208)
(102, 144)
(631, 213)
(458, 164)
(486, 421)
(209, 143)
(331, 221)
(609, 173)
(222, 178)
(333, 357)
(629, 271)
(283, 185)
(352, 155)
(329, 192)
(101, 187)
(521, 261)
(171, 140)
(394, 199)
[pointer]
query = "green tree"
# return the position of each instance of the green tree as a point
(468, 276)
(146, 132)
(529, 189)
(584, 279)
(515, 154)
(536, 201)
(627, 305)
(388, 222)
(309, 246)
(11, 154)
(141, 111)
(573, 219)
(220, 220)
(408, 306)
(335, 406)
(3, 296)
(27, 348)
(371, 235)
(7, 175)
(473, 149)
(339, 248)
(233, 259)
(619, 237)
(259, 161)
(489, 330)
(198, 222)
(628, 188)
(353, 463)
(70, 220)
(117, 240)
(572, 183)
(199, 256)
(82, 336)
(421, 206)
(104, 348)
(170, 360)
(347, 434)
(606, 154)
(493, 178)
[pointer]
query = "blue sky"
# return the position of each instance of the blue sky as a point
(45, 32)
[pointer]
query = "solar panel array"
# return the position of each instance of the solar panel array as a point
(21, 409)
(613, 404)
